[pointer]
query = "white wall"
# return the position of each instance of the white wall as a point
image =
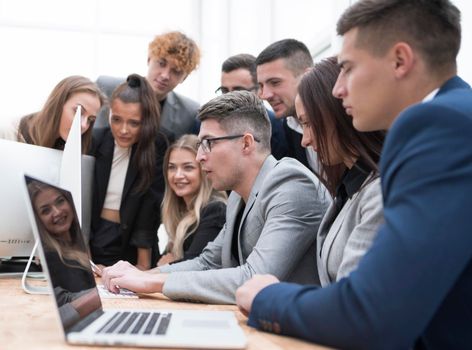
(42, 41)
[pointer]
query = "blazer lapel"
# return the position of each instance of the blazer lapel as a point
(131, 174)
(334, 230)
(235, 202)
(267, 166)
(321, 244)
(103, 167)
(168, 115)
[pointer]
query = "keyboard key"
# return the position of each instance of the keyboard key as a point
(165, 320)
(152, 323)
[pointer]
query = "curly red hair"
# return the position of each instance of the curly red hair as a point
(183, 50)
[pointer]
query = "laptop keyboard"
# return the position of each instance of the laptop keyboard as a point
(145, 323)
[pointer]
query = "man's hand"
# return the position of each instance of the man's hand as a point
(247, 292)
(125, 275)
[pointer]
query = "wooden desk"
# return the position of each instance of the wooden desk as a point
(30, 322)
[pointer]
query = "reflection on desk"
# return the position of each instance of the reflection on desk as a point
(29, 321)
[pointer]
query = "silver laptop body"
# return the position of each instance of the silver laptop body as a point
(73, 286)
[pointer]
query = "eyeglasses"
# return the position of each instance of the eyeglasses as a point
(224, 90)
(206, 143)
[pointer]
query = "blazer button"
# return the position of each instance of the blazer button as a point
(276, 328)
(124, 226)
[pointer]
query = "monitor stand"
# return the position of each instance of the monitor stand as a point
(28, 288)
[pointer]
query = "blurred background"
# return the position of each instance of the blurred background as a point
(44, 41)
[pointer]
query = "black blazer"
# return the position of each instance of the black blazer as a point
(212, 220)
(139, 213)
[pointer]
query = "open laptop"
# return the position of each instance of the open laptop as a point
(65, 261)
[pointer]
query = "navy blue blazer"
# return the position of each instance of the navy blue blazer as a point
(139, 212)
(414, 286)
(278, 140)
(294, 144)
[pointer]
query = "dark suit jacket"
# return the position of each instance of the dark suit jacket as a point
(212, 219)
(278, 140)
(414, 286)
(139, 213)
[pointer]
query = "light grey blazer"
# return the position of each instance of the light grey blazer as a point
(276, 236)
(341, 245)
(178, 115)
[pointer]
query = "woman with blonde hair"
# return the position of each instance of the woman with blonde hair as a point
(50, 126)
(60, 232)
(192, 212)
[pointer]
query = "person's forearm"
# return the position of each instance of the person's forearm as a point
(144, 259)
(156, 282)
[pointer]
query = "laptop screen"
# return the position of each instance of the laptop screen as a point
(65, 253)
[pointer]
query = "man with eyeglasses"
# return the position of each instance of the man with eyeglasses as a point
(272, 216)
(238, 73)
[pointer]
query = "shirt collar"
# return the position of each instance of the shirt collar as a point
(354, 178)
(431, 95)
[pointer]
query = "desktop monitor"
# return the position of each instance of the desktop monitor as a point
(16, 236)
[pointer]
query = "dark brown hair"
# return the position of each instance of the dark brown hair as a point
(243, 60)
(430, 26)
(136, 89)
(296, 55)
(329, 123)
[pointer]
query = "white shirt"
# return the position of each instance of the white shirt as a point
(119, 168)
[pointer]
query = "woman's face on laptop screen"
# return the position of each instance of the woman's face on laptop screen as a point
(55, 212)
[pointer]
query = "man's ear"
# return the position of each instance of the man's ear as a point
(148, 60)
(403, 58)
(248, 143)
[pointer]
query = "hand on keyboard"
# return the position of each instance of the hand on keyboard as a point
(124, 293)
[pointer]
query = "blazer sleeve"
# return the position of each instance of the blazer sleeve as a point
(212, 219)
(401, 283)
(289, 213)
(147, 222)
(360, 239)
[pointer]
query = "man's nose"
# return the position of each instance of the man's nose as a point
(265, 93)
(339, 91)
(200, 155)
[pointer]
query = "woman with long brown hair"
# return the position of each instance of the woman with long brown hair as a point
(50, 126)
(348, 166)
(128, 181)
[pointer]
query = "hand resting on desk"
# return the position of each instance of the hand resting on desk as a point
(125, 275)
(247, 292)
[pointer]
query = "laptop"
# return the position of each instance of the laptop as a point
(66, 263)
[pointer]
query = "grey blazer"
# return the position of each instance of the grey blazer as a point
(342, 244)
(178, 115)
(276, 236)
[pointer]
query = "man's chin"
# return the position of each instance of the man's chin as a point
(363, 125)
